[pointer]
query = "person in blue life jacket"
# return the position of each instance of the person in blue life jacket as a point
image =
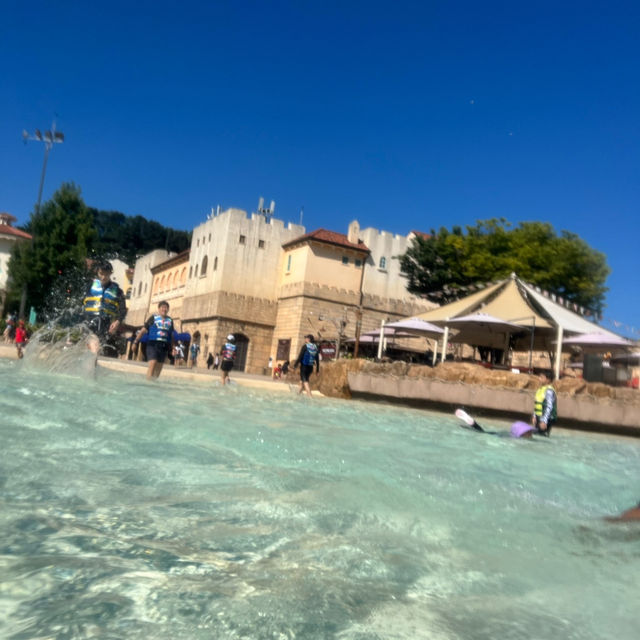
(545, 409)
(104, 310)
(309, 354)
(159, 326)
(228, 356)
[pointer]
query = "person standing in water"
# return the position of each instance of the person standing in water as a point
(160, 329)
(228, 357)
(104, 310)
(545, 409)
(306, 358)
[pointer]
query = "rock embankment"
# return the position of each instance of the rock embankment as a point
(465, 384)
(333, 379)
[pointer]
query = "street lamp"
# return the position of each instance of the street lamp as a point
(49, 138)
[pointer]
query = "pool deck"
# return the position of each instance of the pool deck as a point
(186, 374)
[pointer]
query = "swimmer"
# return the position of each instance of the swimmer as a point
(518, 429)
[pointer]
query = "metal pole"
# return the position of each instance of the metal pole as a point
(49, 139)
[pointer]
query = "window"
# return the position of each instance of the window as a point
(190, 271)
(140, 289)
(215, 263)
(242, 239)
(289, 263)
(195, 271)
(345, 260)
(358, 263)
(198, 242)
(260, 244)
(183, 275)
(383, 263)
(169, 280)
(209, 237)
(162, 280)
(203, 266)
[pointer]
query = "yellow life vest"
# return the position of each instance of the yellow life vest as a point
(540, 398)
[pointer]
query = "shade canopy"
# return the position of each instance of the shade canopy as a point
(374, 336)
(484, 322)
(415, 326)
(597, 339)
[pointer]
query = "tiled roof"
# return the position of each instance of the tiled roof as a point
(8, 230)
(422, 234)
(329, 237)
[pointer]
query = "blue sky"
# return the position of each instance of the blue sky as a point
(403, 115)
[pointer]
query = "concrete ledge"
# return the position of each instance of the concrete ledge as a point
(576, 412)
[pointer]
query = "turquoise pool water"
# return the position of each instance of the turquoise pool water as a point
(174, 510)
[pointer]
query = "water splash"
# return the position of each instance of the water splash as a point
(62, 347)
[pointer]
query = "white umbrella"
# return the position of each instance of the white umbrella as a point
(604, 340)
(415, 326)
(482, 322)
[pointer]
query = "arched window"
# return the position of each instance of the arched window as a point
(183, 275)
(203, 266)
(169, 281)
(162, 281)
(383, 263)
(215, 263)
(156, 285)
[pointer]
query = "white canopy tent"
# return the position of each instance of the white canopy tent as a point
(514, 301)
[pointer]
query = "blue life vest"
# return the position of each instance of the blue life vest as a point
(229, 351)
(103, 301)
(160, 330)
(310, 354)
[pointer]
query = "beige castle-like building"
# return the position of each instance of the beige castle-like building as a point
(270, 283)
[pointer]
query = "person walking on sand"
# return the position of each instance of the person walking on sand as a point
(160, 329)
(306, 358)
(228, 356)
(545, 409)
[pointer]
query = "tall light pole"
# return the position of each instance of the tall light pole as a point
(49, 138)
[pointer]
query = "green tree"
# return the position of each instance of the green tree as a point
(127, 237)
(445, 266)
(52, 266)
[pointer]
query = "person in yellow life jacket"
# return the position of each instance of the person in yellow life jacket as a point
(545, 409)
(104, 307)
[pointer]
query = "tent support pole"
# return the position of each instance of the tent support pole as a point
(445, 341)
(558, 353)
(381, 343)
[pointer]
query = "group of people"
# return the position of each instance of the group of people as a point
(16, 332)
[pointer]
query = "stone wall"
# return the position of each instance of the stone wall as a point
(449, 385)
